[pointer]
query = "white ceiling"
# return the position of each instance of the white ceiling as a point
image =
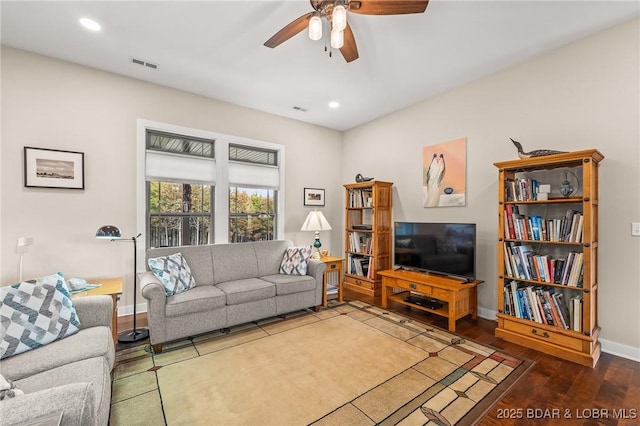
(215, 48)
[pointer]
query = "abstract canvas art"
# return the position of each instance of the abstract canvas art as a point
(444, 174)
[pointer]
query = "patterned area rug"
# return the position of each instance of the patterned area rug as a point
(351, 363)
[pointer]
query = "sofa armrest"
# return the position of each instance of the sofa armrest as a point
(316, 269)
(94, 311)
(152, 288)
(75, 401)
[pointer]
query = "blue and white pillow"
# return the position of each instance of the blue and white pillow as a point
(34, 313)
(173, 272)
(296, 260)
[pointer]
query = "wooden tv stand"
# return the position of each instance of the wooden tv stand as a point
(459, 299)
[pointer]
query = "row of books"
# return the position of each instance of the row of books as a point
(521, 189)
(360, 242)
(543, 305)
(566, 229)
(360, 265)
(521, 262)
(359, 198)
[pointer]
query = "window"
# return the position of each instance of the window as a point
(251, 214)
(179, 214)
(200, 187)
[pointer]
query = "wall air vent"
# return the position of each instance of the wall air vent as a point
(144, 63)
(297, 108)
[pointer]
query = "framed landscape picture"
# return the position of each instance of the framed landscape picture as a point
(52, 168)
(313, 197)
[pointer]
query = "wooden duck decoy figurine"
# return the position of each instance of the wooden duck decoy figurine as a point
(534, 153)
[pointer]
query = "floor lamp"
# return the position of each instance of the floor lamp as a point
(113, 233)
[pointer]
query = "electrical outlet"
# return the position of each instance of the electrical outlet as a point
(635, 229)
(25, 241)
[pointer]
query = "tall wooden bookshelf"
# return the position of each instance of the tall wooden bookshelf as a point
(548, 255)
(367, 235)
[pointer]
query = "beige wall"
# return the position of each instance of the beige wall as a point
(53, 104)
(585, 95)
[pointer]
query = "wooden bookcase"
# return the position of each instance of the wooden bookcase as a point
(548, 255)
(368, 235)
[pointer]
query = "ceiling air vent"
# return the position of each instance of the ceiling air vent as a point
(144, 63)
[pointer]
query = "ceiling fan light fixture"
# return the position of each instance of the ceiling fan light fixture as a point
(337, 39)
(339, 18)
(315, 28)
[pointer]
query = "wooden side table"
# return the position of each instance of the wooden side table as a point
(110, 287)
(333, 275)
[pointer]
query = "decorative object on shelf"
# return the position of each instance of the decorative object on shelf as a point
(316, 222)
(112, 233)
(22, 248)
(360, 178)
(53, 168)
(313, 197)
(444, 168)
(566, 189)
(535, 152)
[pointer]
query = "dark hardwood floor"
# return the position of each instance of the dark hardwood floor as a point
(552, 392)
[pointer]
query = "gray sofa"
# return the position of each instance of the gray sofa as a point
(71, 376)
(235, 284)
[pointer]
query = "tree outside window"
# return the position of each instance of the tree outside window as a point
(251, 214)
(179, 214)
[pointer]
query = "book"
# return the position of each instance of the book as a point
(576, 313)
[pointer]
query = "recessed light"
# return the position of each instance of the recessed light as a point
(90, 24)
(334, 104)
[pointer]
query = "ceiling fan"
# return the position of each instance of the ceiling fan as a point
(333, 15)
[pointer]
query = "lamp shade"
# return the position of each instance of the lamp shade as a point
(315, 221)
(108, 231)
(315, 28)
(339, 19)
(337, 39)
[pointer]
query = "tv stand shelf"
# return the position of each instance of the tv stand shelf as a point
(459, 298)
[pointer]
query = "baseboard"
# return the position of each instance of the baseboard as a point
(612, 348)
(128, 310)
(488, 314)
(618, 349)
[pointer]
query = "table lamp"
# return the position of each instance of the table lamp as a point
(316, 221)
(112, 233)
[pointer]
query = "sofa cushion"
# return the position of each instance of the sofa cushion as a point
(198, 257)
(247, 290)
(269, 254)
(288, 284)
(234, 261)
(34, 313)
(88, 343)
(173, 272)
(296, 260)
(198, 299)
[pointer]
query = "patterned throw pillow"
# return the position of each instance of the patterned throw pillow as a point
(296, 260)
(34, 313)
(173, 272)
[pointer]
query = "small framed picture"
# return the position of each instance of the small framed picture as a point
(52, 168)
(313, 197)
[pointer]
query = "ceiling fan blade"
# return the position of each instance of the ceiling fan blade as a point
(289, 31)
(349, 50)
(388, 7)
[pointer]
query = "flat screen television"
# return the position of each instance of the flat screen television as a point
(440, 248)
